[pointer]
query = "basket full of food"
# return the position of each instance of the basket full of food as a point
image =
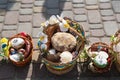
(18, 48)
(61, 40)
(101, 56)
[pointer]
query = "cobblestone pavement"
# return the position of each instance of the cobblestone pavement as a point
(100, 19)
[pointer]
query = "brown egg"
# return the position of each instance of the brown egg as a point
(53, 58)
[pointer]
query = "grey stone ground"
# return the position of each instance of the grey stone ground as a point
(100, 18)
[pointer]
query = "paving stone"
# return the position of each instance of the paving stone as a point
(108, 27)
(118, 17)
(25, 18)
(116, 6)
(1, 26)
(65, 14)
(78, 5)
(64, 0)
(13, 6)
(36, 57)
(14, 0)
(9, 27)
(80, 18)
(8, 33)
(94, 16)
(78, 1)
(11, 15)
(26, 5)
(108, 18)
(66, 6)
(39, 9)
(85, 26)
(87, 34)
(2, 12)
(1, 18)
(35, 32)
(91, 2)
(52, 3)
(79, 11)
(38, 19)
(92, 7)
(93, 40)
(26, 11)
(105, 5)
(3, 1)
(106, 40)
(96, 26)
(104, 1)
(106, 12)
(97, 32)
(27, 1)
(35, 40)
(3, 6)
(7, 71)
(25, 27)
(53, 11)
(39, 3)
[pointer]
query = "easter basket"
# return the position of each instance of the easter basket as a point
(115, 45)
(101, 48)
(27, 49)
(73, 28)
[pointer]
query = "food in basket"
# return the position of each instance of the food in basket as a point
(60, 41)
(101, 56)
(66, 57)
(17, 43)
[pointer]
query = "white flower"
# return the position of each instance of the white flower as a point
(66, 57)
(43, 37)
(43, 47)
(52, 51)
(116, 47)
(62, 27)
(53, 20)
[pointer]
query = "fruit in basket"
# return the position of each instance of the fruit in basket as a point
(62, 41)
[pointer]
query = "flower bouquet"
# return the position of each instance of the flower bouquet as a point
(18, 48)
(101, 56)
(61, 40)
(115, 44)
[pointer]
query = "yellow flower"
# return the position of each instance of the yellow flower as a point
(4, 46)
(3, 40)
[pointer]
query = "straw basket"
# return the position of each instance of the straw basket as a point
(62, 68)
(117, 53)
(99, 46)
(29, 43)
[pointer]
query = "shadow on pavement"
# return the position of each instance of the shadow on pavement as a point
(6, 4)
(53, 7)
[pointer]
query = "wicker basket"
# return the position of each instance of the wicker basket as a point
(95, 47)
(29, 57)
(117, 54)
(58, 68)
